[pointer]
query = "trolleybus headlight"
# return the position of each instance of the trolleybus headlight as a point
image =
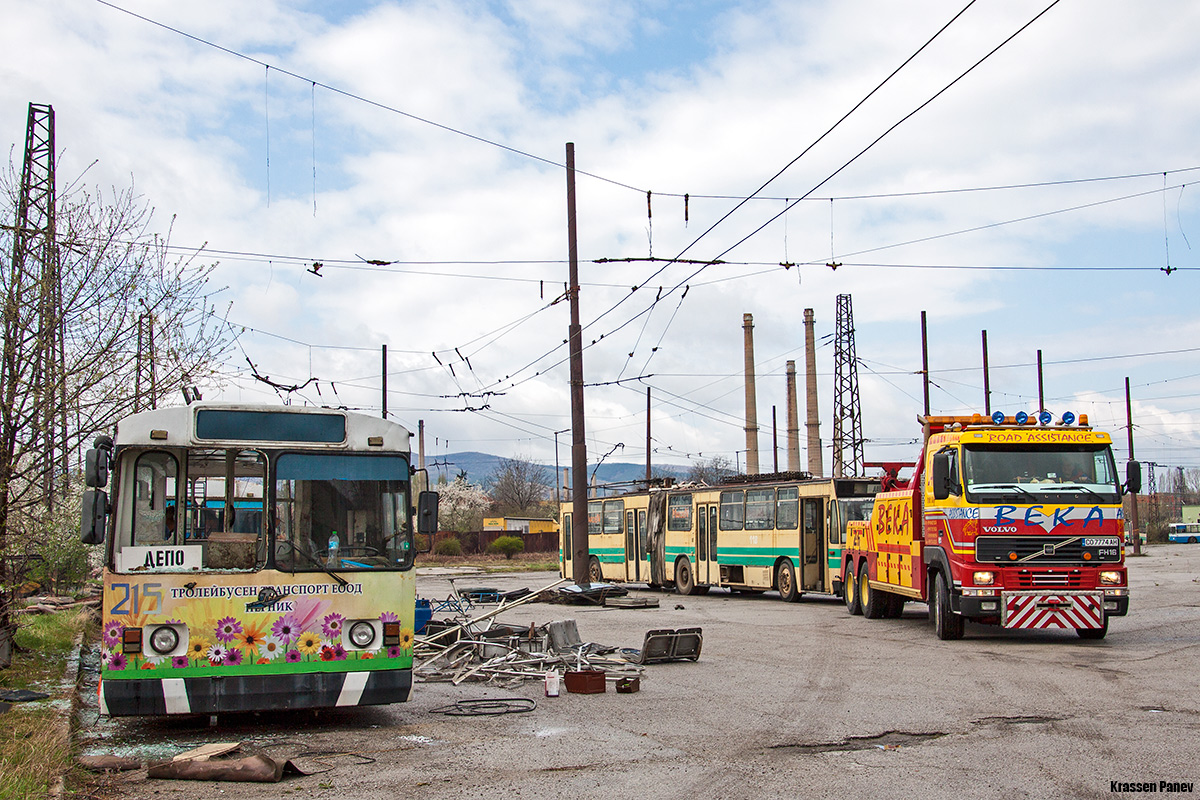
(362, 634)
(164, 640)
(984, 578)
(1110, 578)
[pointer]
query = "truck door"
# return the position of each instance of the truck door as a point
(811, 539)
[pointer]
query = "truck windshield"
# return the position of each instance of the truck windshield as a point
(1025, 474)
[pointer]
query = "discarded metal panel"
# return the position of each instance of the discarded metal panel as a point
(672, 645)
(252, 769)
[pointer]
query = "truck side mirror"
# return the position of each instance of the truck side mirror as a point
(94, 516)
(427, 517)
(1133, 477)
(941, 476)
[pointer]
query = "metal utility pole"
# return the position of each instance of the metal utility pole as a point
(385, 381)
(987, 386)
(848, 456)
(579, 490)
(1041, 391)
(647, 436)
(1133, 511)
(925, 360)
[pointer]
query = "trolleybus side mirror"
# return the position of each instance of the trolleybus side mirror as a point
(427, 517)
(95, 473)
(941, 476)
(94, 516)
(1133, 477)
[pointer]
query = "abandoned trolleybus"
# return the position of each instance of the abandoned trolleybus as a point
(255, 558)
(751, 534)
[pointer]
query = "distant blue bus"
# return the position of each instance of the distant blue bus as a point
(1185, 532)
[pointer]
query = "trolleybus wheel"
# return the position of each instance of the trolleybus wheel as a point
(684, 584)
(946, 624)
(785, 580)
(873, 602)
(850, 591)
(1094, 633)
(595, 574)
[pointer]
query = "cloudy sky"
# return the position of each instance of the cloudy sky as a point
(1026, 175)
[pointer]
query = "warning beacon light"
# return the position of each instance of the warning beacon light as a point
(1045, 417)
(1022, 417)
(1068, 418)
(998, 417)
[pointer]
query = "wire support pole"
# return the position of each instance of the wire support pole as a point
(579, 494)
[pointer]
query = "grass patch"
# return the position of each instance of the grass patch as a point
(32, 753)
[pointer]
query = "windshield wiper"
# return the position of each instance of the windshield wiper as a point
(316, 562)
(1078, 488)
(1002, 486)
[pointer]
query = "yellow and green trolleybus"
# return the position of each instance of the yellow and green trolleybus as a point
(255, 558)
(752, 534)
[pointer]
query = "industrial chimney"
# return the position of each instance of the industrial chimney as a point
(751, 401)
(810, 395)
(793, 421)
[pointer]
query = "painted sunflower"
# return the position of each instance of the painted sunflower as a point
(308, 643)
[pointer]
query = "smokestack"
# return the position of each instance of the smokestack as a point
(810, 395)
(751, 401)
(793, 421)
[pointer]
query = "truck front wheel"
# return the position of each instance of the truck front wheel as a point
(1094, 633)
(946, 624)
(850, 591)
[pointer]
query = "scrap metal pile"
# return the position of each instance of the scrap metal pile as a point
(469, 647)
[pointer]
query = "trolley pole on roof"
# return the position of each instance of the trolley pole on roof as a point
(1133, 504)
(925, 360)
(579, 492)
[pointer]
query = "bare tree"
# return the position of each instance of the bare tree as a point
(130, 324)
(713, 471)
(521, 488)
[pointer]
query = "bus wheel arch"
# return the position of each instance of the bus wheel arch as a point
(685, 581)
(785, 581)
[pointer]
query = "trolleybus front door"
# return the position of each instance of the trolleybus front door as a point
(811, 538)
(635, 546)
(568, 568)
(708, 573)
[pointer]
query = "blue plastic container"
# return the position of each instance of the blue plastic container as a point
(423, 615)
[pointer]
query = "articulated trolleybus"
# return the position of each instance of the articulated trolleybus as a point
(782, 531)
(295, 591)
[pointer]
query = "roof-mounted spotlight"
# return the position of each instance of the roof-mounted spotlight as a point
(1045, 417)
(998, 417)
(1022, 417)
(1068, 418)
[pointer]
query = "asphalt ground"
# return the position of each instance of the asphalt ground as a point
(786, 700)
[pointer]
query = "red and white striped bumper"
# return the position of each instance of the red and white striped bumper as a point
(1067, 610)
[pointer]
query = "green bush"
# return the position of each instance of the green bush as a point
(449, 546)
(508, 545)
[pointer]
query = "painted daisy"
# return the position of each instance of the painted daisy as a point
(198, 647)
(233, 657)
(216, 654)
(113, 631)
(272, 647)
(228, 628)
(117, 661)
(179, 661)
(406, 638)
(293, 656)
(286, 628)
(332, 626)
(388, 616)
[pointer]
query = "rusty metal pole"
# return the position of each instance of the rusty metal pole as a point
(1133, 510)
(579, 488)
(987, 386)
(647, 437)
(925, 360)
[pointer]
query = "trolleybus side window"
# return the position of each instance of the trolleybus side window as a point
(155, 488)
(679, 512)
(760, 509)
(733, 510)
(593, 521)
(787, 515)
(614, 513)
